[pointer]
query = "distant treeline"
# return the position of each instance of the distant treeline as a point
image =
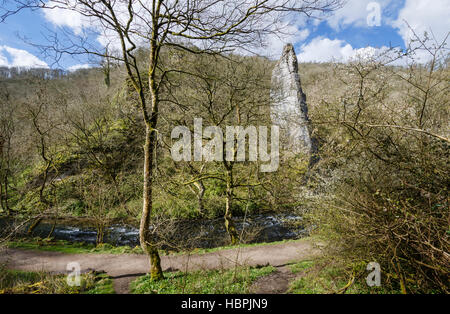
(23, 72)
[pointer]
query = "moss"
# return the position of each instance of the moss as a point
(156, 273)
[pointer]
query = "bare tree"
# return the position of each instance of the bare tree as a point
(226, 92)
(41, 110)
(7, 128)
(196, 26)
(385, 167)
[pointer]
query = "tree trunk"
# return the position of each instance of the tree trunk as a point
(2, 173)
(151, 121)
(7, 196)
(229, 225)
(4, 193)
(147, 244)
(34, 225)
(42, 199)
(1, 197)
(52, 230)
(100, 234)
(200, 196)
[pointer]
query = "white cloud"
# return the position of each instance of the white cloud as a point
(303, 34)
(290, 29)
(11, 57)
(292, 26)
(322, 49)
(274, 44)
(66, 18)
(3, 60)
(355, 13)
(76, 67)
(423, 16)
(68, 15)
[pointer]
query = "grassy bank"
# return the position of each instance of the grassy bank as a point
(202, 282)
(20, 282)
(87, 248)
(66, 247)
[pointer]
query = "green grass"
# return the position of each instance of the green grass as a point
(202, 282)
(21, 282)
(103, 285)
(301, 266)
(71, 248)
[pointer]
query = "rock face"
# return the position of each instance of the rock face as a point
(289, 109)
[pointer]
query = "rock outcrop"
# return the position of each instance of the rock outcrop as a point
(289, 109)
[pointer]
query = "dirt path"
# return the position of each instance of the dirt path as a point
(275, 283)
(124, 268)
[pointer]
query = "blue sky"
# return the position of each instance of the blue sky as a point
(338, 37)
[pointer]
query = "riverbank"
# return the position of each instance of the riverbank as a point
(63, 246)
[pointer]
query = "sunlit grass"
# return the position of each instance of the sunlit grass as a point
(202, 282)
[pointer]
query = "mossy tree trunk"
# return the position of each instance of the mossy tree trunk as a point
(200, 196)
(151, 138)
(229, 224)
(33, 226)
(5, 144)
(144, 231)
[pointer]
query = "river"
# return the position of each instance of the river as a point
(182, 234)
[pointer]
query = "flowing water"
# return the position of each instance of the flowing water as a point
(200, 233)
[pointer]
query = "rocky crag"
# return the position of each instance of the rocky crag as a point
(289, 109)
